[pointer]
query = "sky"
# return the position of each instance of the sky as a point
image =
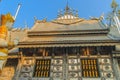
(49, 9)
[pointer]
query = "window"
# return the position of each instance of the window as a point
(89, 68)
(42, 68)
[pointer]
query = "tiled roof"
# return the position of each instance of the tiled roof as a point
(66, 24)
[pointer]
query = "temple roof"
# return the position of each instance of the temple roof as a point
(67, 20)
(68, 24)
(67, 30)
(56, 33)
(67, 38)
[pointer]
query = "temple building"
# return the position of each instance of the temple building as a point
(65, 48)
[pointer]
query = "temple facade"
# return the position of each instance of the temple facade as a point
(66, 48)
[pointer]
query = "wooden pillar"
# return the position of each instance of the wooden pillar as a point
(98, 50)
(78, 51)
(53, 52)
(67, 50)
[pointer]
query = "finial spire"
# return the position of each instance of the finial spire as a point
(67, 8)
(67, 2)
(114, 4)
(67, 13)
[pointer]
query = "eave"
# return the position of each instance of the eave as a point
(68, 43)
(71, 32)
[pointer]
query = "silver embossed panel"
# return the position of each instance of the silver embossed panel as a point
(57, 68)
(72, 61)
(57, 75)
(73, 74)
(58, 61)
(73, 68)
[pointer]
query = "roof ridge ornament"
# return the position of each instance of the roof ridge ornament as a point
(67, 13)
(76, 14)
(114, 5)
(67, 9)
(59, 13)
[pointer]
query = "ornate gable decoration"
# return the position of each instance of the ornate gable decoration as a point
(67, 16)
